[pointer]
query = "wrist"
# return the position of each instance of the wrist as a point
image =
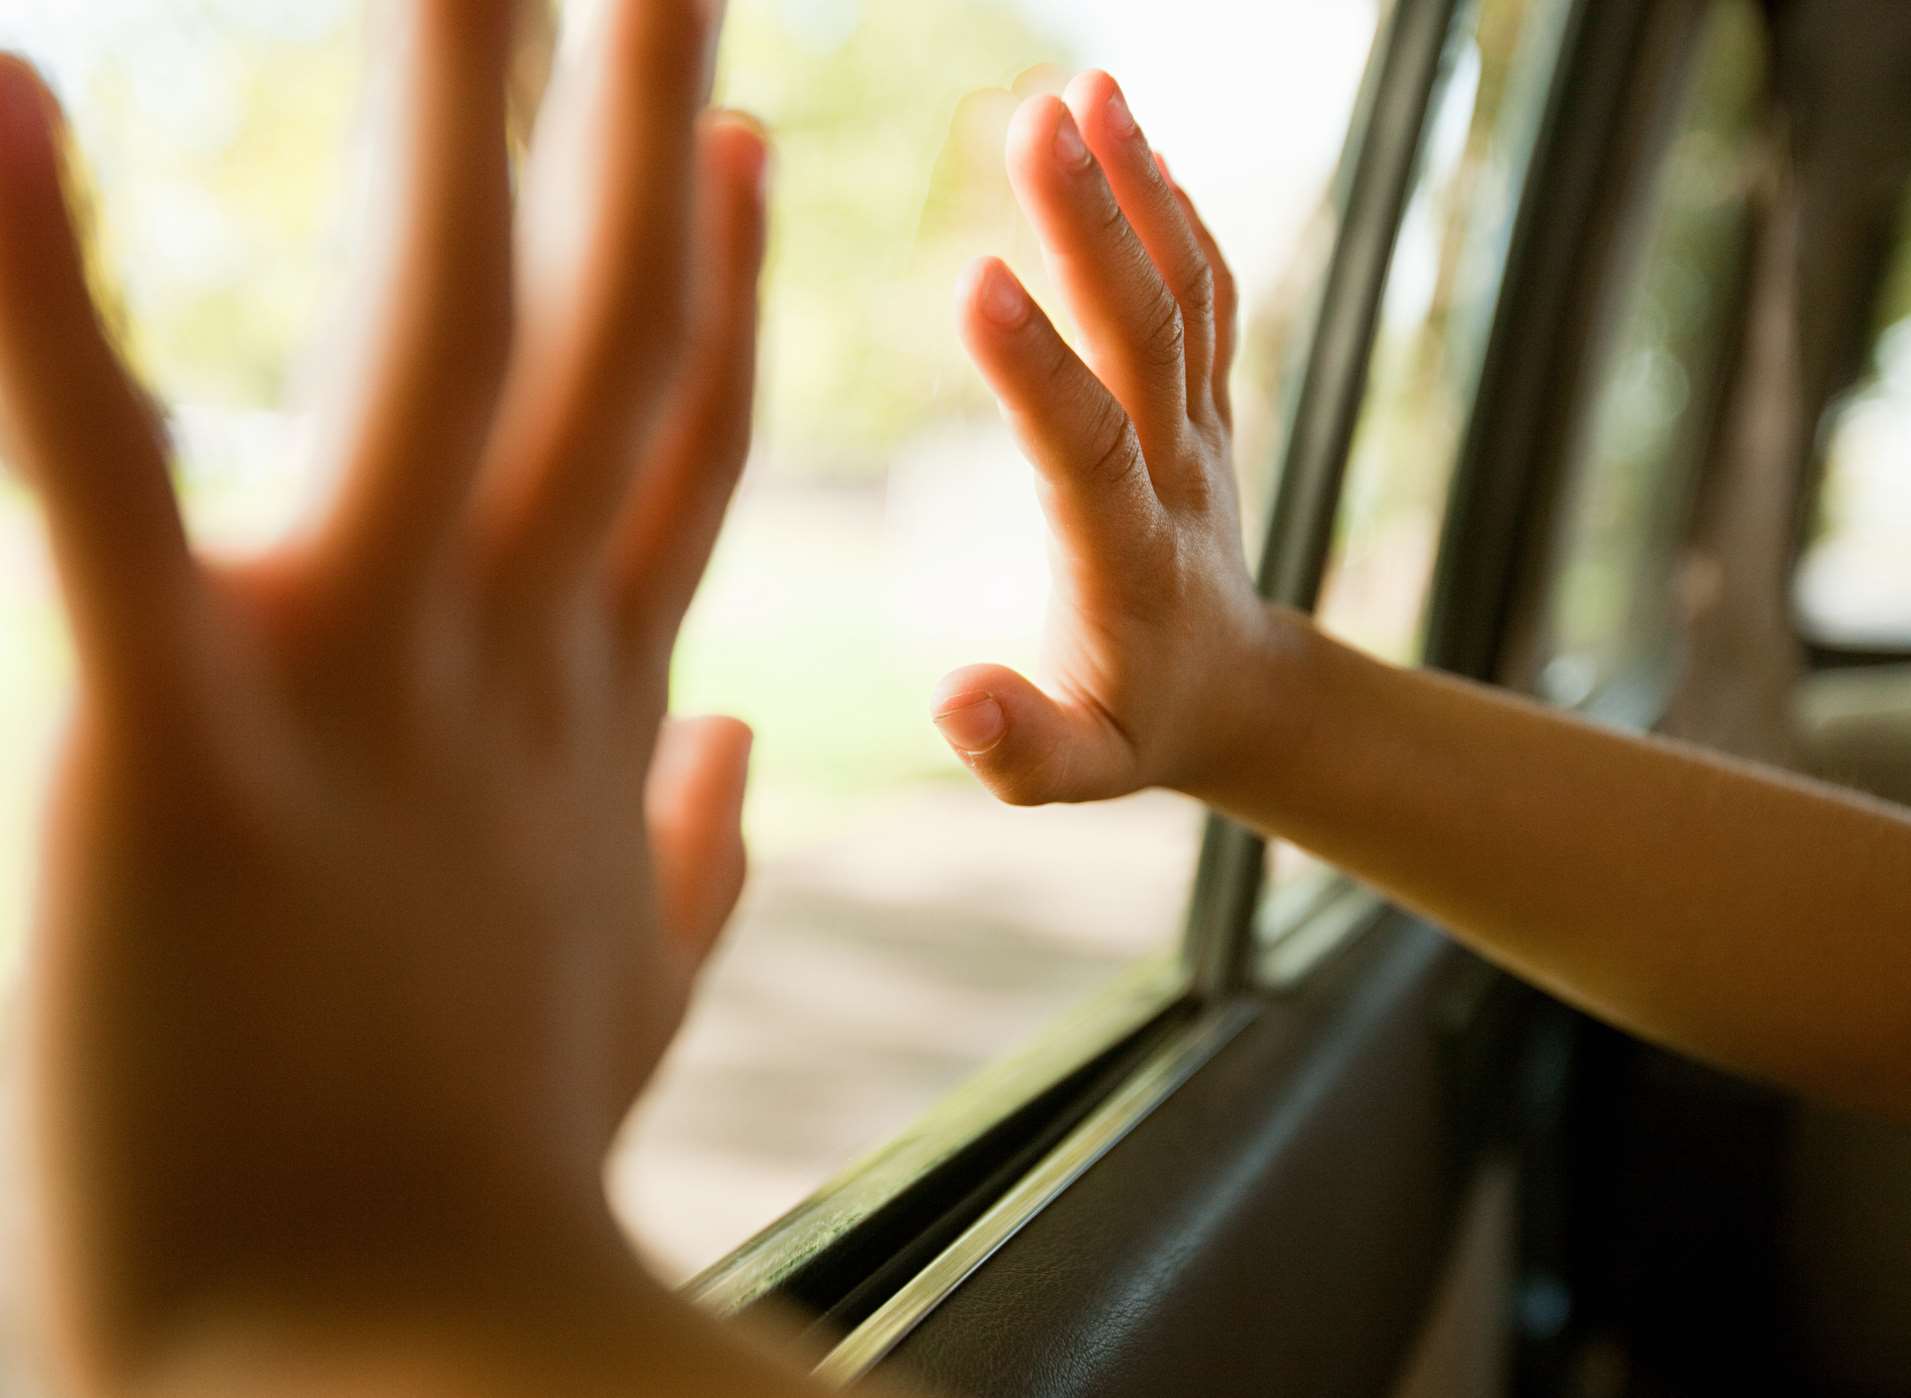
(1263, 711)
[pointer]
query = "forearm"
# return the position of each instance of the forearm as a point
(1749, 917)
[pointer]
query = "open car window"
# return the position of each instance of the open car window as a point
(902, 929)
(1442, 289)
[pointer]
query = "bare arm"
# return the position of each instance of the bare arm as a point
(1748, 917)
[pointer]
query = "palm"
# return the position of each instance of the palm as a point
(369, 864)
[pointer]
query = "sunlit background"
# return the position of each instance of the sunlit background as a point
(901, 929)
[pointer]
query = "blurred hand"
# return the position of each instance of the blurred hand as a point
(376, 878)
(1154, 611)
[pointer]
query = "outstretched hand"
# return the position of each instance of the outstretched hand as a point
(1153, 607)
(377, 878)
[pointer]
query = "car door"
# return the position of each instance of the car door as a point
(1282, 1151)
(1300, 1173)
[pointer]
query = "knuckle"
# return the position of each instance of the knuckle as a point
(1110, 221)
(1198, 291)
(1115, 460)
(1201, 492)
(1059, 373)
(1164, 338)
(1019, 778)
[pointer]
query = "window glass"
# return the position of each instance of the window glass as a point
(1442, 288)
(1609, 612)
(901, 928)
(1853, 586)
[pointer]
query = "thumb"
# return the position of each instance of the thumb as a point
(1028, 747)
(694, 806)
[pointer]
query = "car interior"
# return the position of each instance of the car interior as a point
(1598, 388)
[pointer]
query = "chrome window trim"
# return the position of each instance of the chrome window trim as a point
(1153, 1082)
(1285, 946)
(1208, 960)
(1211, 961)
(770, 1258)
(1372, 188)
(1294, 947)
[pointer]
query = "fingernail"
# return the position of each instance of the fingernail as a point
(1003, 301)
(1069, 147)
(972, 723)
(1120, 119)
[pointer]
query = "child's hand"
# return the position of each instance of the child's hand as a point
(351, 957)
(1154, 610)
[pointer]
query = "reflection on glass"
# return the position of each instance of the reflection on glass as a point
(1442, 287)
(901, 928)
(1609, 612)
(1854, 582)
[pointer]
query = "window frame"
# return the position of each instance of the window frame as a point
(1322, 411)
(1508, 447)
(1636, 696)
(1336, 911)
(822, 1254)
(1186, 1006)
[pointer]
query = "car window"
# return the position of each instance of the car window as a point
(901, 928)
(1608, 611)
(1853, 584)
(1443, 286)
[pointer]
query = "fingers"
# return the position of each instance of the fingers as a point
(439, 342)
(672, 521)
(694, 806)
(70, 414)
(1095, 484)
(1155, 214)
(1227, 298)
(1132, 326)
(605, 341)
(1027, 747)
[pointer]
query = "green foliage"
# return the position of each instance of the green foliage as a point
(220, 217)
(888, 178)
(217, 218)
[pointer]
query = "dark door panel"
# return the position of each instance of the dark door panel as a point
(1278, 1226)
